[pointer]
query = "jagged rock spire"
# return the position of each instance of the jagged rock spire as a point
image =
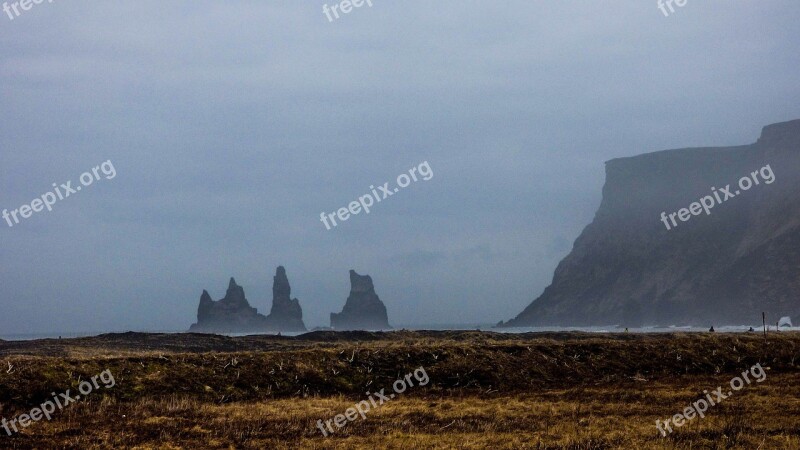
(286, 314)
(280, 285)
(363, 310)
(231, 314)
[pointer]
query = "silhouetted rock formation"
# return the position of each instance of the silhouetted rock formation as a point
(363, 309)
(232, 314)
(626, 268)
(286, 314)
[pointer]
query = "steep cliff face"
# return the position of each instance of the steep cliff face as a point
(627, 268)
(363, 310)
(286, 314)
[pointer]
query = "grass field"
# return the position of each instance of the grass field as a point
(486, 390)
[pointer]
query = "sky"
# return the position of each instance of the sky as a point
(231, 126)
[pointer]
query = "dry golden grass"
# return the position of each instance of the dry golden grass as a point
(765, 416)
(495, 392)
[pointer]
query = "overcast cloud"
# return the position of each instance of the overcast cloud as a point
(233, 125)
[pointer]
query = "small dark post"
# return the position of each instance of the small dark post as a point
(764, 321)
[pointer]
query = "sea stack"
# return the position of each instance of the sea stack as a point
(286, 314)
(363, 309)
(232, 314)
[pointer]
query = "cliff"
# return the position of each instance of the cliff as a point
(632, 267)
(363, 310)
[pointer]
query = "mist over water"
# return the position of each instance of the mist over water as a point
(231, 128)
